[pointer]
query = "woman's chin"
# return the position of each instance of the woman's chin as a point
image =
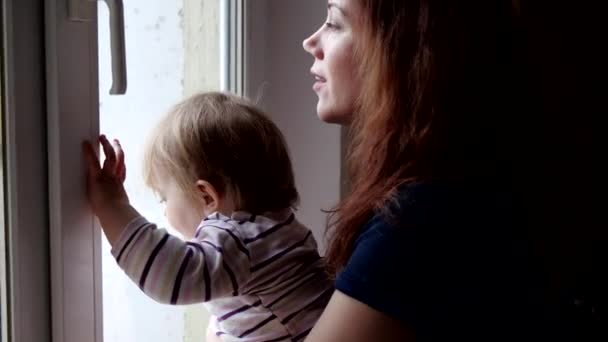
(332, 116)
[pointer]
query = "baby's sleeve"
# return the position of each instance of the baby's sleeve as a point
(173, 271)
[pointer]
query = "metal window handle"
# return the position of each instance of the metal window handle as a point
(117, 41)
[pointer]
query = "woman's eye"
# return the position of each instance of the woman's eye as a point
(330, 25)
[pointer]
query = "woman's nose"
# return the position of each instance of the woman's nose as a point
(307, 44)
(311, 45)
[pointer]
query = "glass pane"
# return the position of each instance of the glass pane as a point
(173, 50)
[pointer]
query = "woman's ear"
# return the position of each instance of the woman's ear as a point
(209, 195)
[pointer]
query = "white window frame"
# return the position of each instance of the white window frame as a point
(26, 232)
(72, 117)
(233, 54)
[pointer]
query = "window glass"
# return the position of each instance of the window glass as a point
(173, 50)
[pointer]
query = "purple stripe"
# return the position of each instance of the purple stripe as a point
(144, 275)
(235, 285)
(261, 324)
(180, 276)
(302, 335)
(308, 306)
(280, 254)
(239, 310)
(271, 230)
(301, 267)
(129, 241)
(250, 219)
(220, 333)
(292, 288)
(236, 240)
(217, 248)
(206, 277)
(279, 338)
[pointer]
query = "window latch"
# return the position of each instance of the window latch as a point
(117, 40)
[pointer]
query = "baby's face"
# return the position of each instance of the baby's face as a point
(183, 211)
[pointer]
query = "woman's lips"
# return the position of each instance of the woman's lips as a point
(318, 85)
(320, 82)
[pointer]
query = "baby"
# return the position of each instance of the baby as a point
(223, 171)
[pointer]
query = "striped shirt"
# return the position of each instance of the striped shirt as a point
(260, 277)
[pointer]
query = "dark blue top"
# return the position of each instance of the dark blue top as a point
(451, 264)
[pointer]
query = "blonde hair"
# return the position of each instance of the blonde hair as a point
(228, 142)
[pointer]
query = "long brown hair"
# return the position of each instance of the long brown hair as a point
(431, 73)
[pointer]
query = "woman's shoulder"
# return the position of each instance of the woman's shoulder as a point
(442, 247)
(389, 248)
(440, 206)
(417, 205)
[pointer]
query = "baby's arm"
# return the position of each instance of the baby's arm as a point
(165, 267)
(210, 335)
(174, 271)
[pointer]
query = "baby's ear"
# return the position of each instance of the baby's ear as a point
(209, 195)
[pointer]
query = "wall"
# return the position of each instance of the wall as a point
(278, 72)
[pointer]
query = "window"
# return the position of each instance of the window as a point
(56, 71)
(173, 49)
(169, 54)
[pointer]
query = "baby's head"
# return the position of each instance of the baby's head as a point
(217, 152)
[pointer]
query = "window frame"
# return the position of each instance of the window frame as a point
(26, 208)
(72, 116)
(234, 15)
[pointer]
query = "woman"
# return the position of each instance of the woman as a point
(428, 245)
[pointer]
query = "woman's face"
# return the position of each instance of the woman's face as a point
(335, 70)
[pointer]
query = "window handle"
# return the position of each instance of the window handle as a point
(117, 41)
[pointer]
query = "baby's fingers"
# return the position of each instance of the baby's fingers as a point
(91, 158)
(109, 164)
(121, 169)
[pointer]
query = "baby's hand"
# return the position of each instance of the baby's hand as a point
(107, 195)
(105, 184)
